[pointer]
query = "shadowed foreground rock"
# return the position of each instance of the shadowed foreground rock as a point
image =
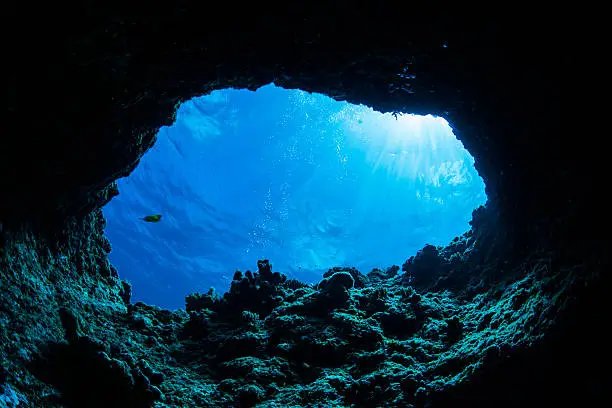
(510, 314)
(270, 341)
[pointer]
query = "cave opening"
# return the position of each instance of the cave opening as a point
(518, 318)
(295, 177)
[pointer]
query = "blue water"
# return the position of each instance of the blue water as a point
(297, 178)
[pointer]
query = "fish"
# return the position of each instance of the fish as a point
(152, 218)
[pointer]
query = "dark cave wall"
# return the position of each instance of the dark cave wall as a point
(99, 81)
(40, 280)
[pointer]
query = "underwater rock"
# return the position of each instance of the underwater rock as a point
(383, 343)
(454, 329)
(86, 375)
(378, 275)
(424, 268)
(126, 292)
(9, 398)
(70, 323)
(200, 301)
(259, 292)
(295, 284)
(358, 278)
(337, 282)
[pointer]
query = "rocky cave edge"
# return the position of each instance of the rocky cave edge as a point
(510, 313)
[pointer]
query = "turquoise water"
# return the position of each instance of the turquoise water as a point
(297, 178)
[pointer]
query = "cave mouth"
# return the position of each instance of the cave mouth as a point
(298, 178)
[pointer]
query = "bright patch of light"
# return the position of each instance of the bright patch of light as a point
(406, 146)
(297, 178)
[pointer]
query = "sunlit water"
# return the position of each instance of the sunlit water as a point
(297, 178)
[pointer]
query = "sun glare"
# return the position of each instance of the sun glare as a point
(402, 145)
